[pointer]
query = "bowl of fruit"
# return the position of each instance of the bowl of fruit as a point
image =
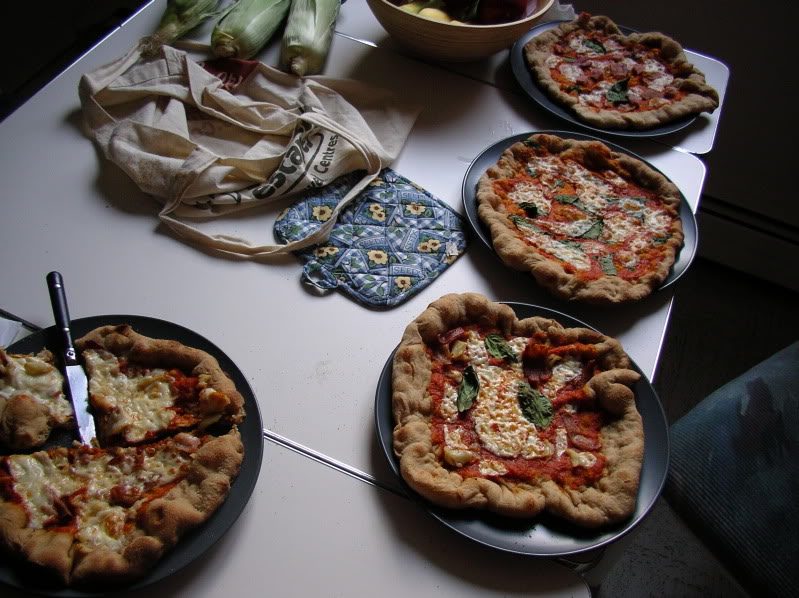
(457, 30)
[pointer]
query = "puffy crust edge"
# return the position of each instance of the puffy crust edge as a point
(701, 96)
(612, 499)
(549, 273)
(123, 341)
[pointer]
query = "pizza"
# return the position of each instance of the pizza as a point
(516, 417)
(167, 453)
(589, 224)
(142, 388)
(615, 81)
(32, 400)
(86, 515)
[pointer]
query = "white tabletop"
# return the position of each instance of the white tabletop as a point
(312, 361)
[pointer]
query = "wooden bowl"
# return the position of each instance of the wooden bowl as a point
(451, 42)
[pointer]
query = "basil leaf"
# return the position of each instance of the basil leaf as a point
(661, 240)
(572, 244)
(569, 59)
(595, 46)
(531, 172)
(535, 406)
(579, 204)
(559, 183)
(468, 389)
(618, 92)
(521, 222)
(532, 144)
(499, 347)
(607, 265)
(594, 231)
(576, 88)
(566, 198)
(529, 208)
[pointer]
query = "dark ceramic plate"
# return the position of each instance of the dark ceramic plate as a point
(544, 536)
(528, 83)
(489, 157)
(195, 543)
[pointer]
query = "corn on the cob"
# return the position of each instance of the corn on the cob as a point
(309, 31)
(180, 17)
(243, 31)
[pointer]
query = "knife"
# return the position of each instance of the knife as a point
(77, 383)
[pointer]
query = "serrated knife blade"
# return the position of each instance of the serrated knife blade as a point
(76, 382)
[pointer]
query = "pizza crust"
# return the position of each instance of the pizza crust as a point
(227, 406)
(610, 501)
(550, 273)
(701, 96)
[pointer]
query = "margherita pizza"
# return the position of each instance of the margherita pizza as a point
(613, 81)
(516, 416)
(588, 223)
(167, 418)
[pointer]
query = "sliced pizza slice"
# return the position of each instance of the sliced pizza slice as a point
(32, 400)
(143, 389)
(88, 515)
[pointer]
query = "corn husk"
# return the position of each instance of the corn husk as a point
(309, 31)
(247, 28)
(180, 17)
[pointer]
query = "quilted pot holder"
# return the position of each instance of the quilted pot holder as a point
(389, 243)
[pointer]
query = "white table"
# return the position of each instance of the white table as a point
(312, 362)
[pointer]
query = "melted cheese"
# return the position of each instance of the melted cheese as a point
(87, 484)
(492, 468)
(571, 72)
(139, 403)
(657, 222)
(33, 376)
(619, 226)
(563, 372)
(498, 420)
(531, 193)
(581, 459)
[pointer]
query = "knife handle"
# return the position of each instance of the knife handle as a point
(58, 299)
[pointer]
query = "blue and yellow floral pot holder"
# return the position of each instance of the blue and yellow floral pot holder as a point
(393, 240)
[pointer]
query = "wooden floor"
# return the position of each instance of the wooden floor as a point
(723, 323)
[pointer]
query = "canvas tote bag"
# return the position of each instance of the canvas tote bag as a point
(210, 139)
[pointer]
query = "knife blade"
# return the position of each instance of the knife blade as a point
(77, 384)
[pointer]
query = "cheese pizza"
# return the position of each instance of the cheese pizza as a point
(616, 81)
(515, 416)
(142, 388)
(588, 223)
(167, 452)
(87, 515)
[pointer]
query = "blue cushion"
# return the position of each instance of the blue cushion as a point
(393, 240)
(735, 474)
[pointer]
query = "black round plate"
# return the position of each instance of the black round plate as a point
(195, 543)
(489, 156)
(546, 535)
(522, 73)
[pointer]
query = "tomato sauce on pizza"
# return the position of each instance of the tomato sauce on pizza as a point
(594, 222)
(606, 73)
(514, 407)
